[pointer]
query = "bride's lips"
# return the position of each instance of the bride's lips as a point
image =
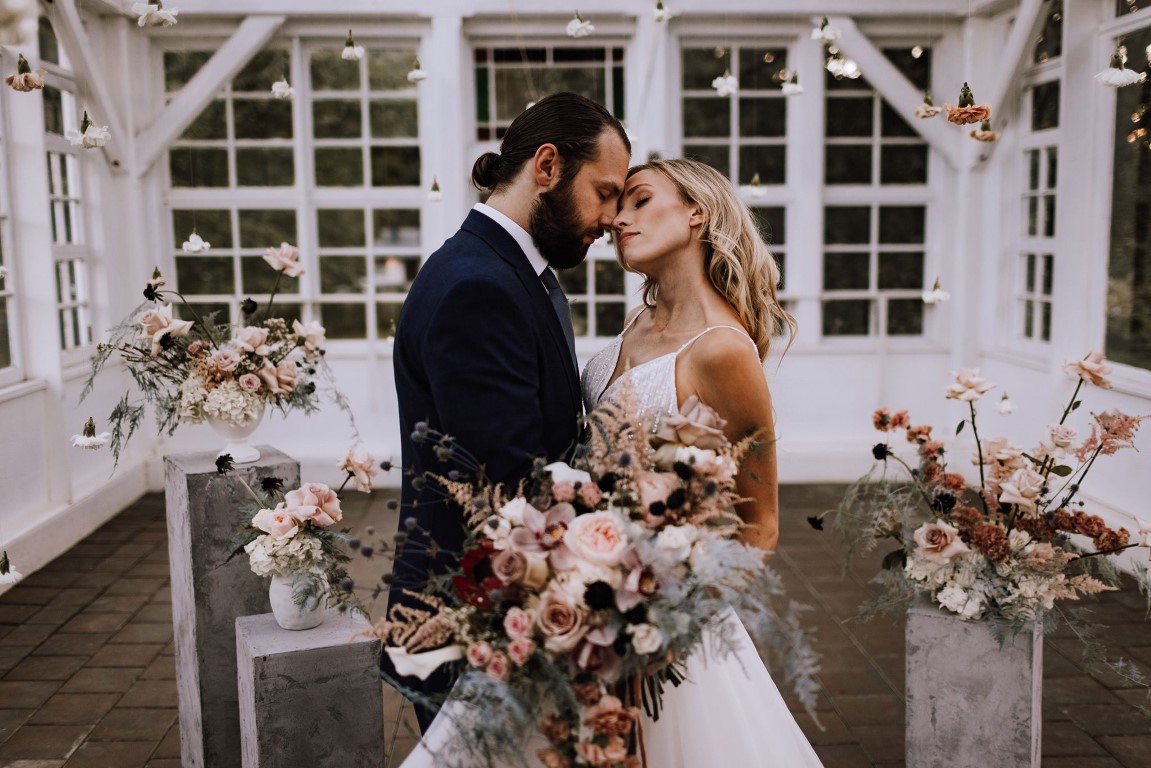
(625, 236)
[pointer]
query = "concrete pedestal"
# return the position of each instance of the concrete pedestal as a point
(970, 702)
(312, 697)
(208, 594)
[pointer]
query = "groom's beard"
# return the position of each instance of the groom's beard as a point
(556, 226)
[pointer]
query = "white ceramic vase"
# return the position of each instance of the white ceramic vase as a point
(288, 614)
(236, 438)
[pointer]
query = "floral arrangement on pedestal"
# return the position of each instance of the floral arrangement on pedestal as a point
(1002, 551)
(581, 593)
(196, 370)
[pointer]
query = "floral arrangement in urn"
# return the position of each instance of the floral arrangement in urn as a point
(1002, 551)
(581, 593)
(197, 370)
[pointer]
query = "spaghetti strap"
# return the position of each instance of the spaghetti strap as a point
(631, 322)
(710, 328)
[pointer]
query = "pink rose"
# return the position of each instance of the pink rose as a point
(968, 386)
(314, 502)
(361, 465)
(590, 494)
(656, 487)
(1090, 369)
(518, 623)
(195, 348)
(1022, 488)
(252, 339)
(561, 621)
(1057, 443)
(224, 360)
(597, 538)
(284, 259)
(520, 650)
(563, 491)
(939, 542)
(281, 379)
(250, 382)
(498, 667)
(695, 424)
(277, 523)
(157, 323)
(509, 567)
(479, 654)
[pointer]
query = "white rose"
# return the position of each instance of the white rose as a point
(562, 473)
(676, 540)
(646, 638)
(513, 511)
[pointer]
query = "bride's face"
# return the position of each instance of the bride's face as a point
(654, 221)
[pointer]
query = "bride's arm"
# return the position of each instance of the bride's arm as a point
(725, 371)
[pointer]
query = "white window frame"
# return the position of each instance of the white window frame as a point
(14, 372)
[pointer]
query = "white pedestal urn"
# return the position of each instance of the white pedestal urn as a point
(236, 438)
(971, 702)
(288, 614)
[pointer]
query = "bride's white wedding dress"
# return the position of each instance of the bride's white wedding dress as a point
(728, 712)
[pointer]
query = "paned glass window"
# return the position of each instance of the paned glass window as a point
(7, 297)
(1049, 44)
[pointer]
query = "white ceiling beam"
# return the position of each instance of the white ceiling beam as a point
(87, 71)
(895, 88)
(1015, 53)
(229, 59)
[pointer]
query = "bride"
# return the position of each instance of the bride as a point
(704, 329)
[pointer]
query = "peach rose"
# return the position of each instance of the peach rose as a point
(1090, 369)
(361, 465)
(284, 259)
(509, 567)
(561, 621)
(479, 654)
(224, 360)
(695, 424)
(656, 487)
(613, 751)
(1022, 488)
(968, 386)
(280, 379)
(250, 382)
(518, 623)
(252, 339)
(976, 113)
(314, 502)
(597, 538)
(157, 323)
(277, 523)
(939, 542)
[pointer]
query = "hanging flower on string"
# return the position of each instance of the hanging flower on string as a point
(927, 109)
(1005, 407)
(417, 75)
(89, 136)
(660, 13)
(435, 195)
(154, 14)
(984, 132)
(8, 575)
(89, 439)
(841, 67)
(967, 111)
(3, 272)
(792, 87)
(1117, 75)
(578, 27)
(352, 52)
(26, 79)
(726, 85)
(825, 33)
(196, 244)
(755, 189)
(281, 89)
(936, 295)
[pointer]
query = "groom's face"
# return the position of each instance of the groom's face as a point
(574, 213)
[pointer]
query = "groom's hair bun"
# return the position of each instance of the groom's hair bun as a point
(572, 122)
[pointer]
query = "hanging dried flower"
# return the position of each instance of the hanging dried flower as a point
(1004, 407)
(660, 14)
(89, 136)
(8, 574)
(825, 33)
(435, 195)
(154, 14)
(417, 75)
(196, 244)
(577, 27)
(755, 189)
(967, 111)
(726, 84)
(841, 67)
(1117, 75)
(282, 90)
(25, 79)
(792, 86)
(89, 439)
(352, 52)
(936, 295)
(984, 132)
(927, 109)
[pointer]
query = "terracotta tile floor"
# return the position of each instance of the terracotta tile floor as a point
(87, 665)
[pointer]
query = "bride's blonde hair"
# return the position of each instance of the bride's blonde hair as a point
(737, 260)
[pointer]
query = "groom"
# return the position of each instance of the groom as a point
(484, 348)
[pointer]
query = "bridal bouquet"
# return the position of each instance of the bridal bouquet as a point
(1001, 551)
(195, 370)
(580, 595)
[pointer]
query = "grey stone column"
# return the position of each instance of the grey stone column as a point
(312, 697)
(208, 593)
(970, 702)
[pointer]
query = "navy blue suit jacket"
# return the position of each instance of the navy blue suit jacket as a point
(479, 354)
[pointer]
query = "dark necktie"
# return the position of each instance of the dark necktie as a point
(563, 311)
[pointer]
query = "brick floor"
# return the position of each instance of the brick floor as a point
(87, 667)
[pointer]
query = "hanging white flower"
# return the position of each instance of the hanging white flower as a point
(8, 574)
(577, 27)
(89, 136)
(282, 90)
(661, 13)
(825, 33)
(154, 14)
(435, 196)
(841, 67)
(755, 189)
(1117, 75)
(936, 295)
(726, 84)
(196, 244)
(3, 272)
(417, 75)
(89, 439)
(352, 52)
(792, 86)
(927, 109)
(1005, 407)
(17, 21)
